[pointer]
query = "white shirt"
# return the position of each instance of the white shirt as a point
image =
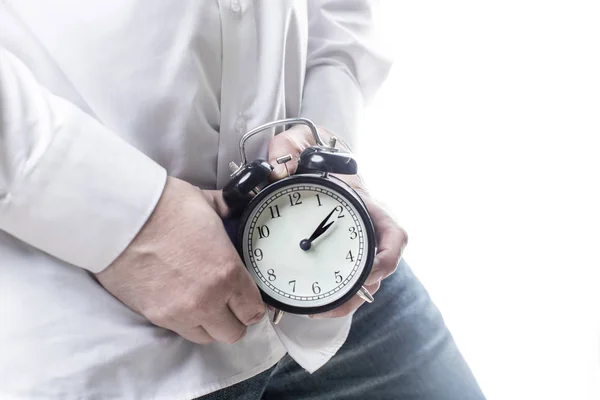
(100, 100)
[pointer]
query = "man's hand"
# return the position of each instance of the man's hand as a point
(182, 271)
(391, 238)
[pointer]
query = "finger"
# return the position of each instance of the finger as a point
(245, 302)
(292, 141)
(224, 327)
(216, 201)
(196, 335)
(391, 241)
(348, 307)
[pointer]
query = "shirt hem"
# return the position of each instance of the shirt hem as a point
(225, 383)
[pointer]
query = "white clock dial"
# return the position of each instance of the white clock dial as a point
(301, 277)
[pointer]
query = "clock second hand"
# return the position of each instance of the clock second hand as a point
(305, 244)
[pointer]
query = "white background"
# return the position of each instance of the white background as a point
(484, 142)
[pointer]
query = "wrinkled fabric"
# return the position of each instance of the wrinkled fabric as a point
(100, 101)
(399, 348)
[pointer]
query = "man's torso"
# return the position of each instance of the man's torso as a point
(181, 81)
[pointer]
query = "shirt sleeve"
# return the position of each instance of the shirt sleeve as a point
(343, 70)
(68, 185)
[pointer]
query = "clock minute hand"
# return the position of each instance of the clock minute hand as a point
(319, 232)
(321, 228)
(305, 244)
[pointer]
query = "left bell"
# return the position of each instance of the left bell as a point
(239, 191)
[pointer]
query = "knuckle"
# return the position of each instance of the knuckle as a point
(358, 187)
(196, 335)
(302, 136)
(279, 143)
(224, 273)
(249, 300)
(236, 336)
(180, 309)
(374, 288)
(186, 306)
(253, 317)
(389, 266)
(393, 269)
(289, 143)
(404, 236)
(204, 340)
(157, 315)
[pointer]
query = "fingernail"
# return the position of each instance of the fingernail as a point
(241, 336)
(256, 319)
(375, 277)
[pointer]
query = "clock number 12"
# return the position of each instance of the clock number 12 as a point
(295, 199)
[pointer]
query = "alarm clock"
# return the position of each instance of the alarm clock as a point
(307, 240)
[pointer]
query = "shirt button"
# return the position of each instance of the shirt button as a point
(235, 5)
(240, 125)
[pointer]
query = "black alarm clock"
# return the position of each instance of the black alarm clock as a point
(307, 240)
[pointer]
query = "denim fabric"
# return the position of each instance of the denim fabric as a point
(398, 349)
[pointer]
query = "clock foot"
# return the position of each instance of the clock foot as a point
(364, 294)
(278, 315)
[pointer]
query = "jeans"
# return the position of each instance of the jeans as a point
(398, 349)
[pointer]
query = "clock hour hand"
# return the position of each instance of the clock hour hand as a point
(305, 244)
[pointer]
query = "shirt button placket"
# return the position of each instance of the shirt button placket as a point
(238, 36)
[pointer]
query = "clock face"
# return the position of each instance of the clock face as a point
(306, 245)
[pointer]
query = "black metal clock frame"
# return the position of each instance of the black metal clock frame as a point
(351, 196)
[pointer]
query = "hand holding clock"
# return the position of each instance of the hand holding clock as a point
(157, 275)
(183, 273)
(391, 238)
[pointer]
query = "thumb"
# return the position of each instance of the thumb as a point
(216, 201)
